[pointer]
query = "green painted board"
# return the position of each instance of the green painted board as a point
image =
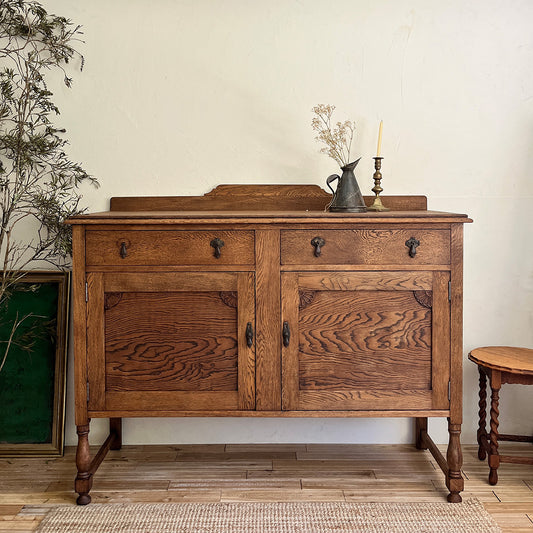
(27, 380)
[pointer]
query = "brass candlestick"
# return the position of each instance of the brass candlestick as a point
(377, 205)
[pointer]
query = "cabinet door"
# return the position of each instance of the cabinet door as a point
(365, 340)
(177, 341)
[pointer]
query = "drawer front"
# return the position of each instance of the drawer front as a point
(169, 247)
(365, 247)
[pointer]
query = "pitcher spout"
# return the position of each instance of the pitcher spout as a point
(351, 166)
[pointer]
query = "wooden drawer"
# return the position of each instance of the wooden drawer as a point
(365, 247)
(169, 247)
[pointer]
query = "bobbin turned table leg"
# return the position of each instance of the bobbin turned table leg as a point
(494, 457)
(482, 429)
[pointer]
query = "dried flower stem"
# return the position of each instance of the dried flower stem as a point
(338, 139)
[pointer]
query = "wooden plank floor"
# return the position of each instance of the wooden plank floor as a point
(230, 473)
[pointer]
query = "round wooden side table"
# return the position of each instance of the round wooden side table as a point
(501, 364)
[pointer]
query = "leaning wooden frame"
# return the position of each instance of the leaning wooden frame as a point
(32, 396)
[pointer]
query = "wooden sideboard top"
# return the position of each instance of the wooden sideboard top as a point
(259, 204)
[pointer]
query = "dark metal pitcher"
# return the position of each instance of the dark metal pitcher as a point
(347, 198)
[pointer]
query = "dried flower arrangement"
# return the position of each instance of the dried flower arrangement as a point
(338, 139)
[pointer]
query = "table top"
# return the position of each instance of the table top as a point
(504, 358)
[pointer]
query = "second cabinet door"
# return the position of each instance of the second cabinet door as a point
(365, 340)
(178, 341)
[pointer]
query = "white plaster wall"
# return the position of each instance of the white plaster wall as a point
(178, 96)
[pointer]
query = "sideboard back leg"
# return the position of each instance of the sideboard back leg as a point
(421, 425)
(115, 429)
(84, 478)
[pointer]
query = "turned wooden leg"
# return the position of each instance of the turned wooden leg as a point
(494, 457)
(421, 424)
(454, 458)
(482, 430)
(84, 479)
(115, 429)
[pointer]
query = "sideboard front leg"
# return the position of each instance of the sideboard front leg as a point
(84, 478)
(454, 457)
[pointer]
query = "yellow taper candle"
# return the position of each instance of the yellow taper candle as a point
(379, 138)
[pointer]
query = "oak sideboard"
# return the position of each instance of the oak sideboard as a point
(254, 301)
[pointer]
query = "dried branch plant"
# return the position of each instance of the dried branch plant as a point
(338, 139)
(38, 182)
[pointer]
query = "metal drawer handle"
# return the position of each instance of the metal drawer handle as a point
(286, 334)
(123, 250)
(217, 245)
(249, 334)
(318, 242)
(412, 244)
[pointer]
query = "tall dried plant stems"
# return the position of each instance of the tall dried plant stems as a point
(38, 182)
(338, 139)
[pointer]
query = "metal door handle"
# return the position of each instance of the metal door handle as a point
(249, 335)
(286, 334)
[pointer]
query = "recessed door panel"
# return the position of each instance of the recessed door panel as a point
(365, 341)
(175, 342)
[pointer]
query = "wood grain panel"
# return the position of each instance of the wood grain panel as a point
(290, 363)
(170, 281)
(361, 281)
(79, 313)
(153, 401)
(268, 364)
(95, 340)
(441, 341)
(246, 354)
(362, 247)
(405, 412)
(255, 197)
(171, 341)
(456, 325)
(364, 340)
(169, 247)
(367, 399)
(360, 372)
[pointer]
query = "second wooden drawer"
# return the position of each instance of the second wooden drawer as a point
(365, 247)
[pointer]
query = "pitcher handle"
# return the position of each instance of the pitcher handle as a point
(330, 179)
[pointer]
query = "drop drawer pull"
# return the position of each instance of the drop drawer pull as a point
(217, 245)
(318, 242)
(123, 250)
(412, 244)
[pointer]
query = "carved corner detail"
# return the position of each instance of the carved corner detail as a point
(229, 298)
(306, 297)
(424, 298)
(111, 299)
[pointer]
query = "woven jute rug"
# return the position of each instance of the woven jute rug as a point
(329, 517)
